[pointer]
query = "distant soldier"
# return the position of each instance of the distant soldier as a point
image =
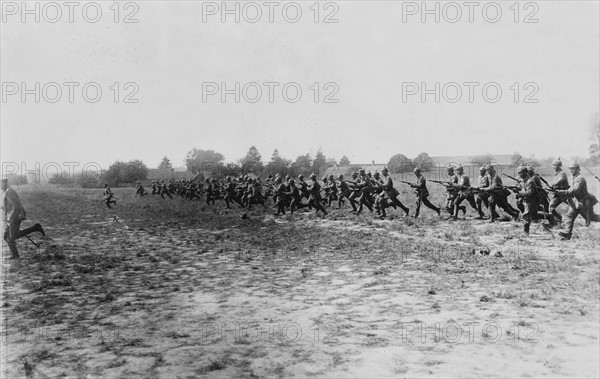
(14, 214)
(583, 202)
(391, 192)
(498, 195)
(366, 188)
(543, 195)
(355, 191)
(452, 191)
(294, 197)
(108, 196)
(314, 199)
(280, 192)
(164, 190)
(230, 194)
(140, 190)
(343, 192)
(530, 193)
(422, 193)
(463, 188)
(482, 196)
(560, 182)
(154, 187)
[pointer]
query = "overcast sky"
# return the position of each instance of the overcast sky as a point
(368, 54)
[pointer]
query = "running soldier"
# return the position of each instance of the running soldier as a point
(422, 193)
(463, 188)
(391, 192)
(583, 202)
(14, 214)
(108, 196)
(530, 193)
(482, 196)
(559, 183)
(314, 199)
(498, 195)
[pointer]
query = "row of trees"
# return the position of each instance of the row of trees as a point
(209, 161)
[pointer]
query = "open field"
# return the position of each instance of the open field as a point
(178, 289)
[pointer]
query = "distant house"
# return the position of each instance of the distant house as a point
(502, 161)
(176, 173)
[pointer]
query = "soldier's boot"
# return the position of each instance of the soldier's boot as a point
(31, 229)
(526, 227)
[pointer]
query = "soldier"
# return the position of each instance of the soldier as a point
(314, 199)
(482, 196)
(164, 190)
(344, 191)
(108, 196)
(154, 187)
(498, 195)
(280, 192)
(139, 189)
(463, 188)
(366, 188)
(543, 195)
(560, 182)
(355, 191)
(422, 193)
(14, 214)
(583, 202)
(452, 191)
(230, 194)
(391, 192)
(293, 194)
(331, 190)
(530, 193)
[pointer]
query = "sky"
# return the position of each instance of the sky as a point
(372, 65)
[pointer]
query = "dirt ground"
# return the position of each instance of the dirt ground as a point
(177, 289)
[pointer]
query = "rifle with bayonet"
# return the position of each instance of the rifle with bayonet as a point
(588, 170)
(409, 183)
(444, 183)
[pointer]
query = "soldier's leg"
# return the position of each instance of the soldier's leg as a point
(479, 201)
(428, 204)
(397, 202)
(502, 201)
(554, 203)
(493, 213)
(458, 207)
(571, 216)
(471, 201)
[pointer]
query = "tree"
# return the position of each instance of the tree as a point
(516, 159)
(319, 164)
(424, 162)
(344, 161)
(62, 178)
(165, 163)
(252, 162)
(302, 165)
(198, 160)
(278, 164)
(122, 172)
(400, 163)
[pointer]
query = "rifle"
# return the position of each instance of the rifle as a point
(409, 183)
(445, 184)
(550, 188)
(513, 178)
(513, 188)
(588, 170)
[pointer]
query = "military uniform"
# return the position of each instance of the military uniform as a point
(14, 214)
(583, 202)
(499, 196)
(422, 194)
(392, 193)
(482, 196)
(560, 182)
(530, 194)
(108, 196)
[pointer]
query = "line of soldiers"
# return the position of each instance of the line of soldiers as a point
(376, 192)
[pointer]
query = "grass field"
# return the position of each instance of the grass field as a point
(174, 288)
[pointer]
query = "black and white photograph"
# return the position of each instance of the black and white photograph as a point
(300, 189)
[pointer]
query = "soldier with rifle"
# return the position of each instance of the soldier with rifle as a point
(583, 202)
(140, 190)
(365, 187)
(344, 191)
(482, 196)
(463, 187)
(314, 199)
(392, 193)
(518, 187)
(499, 195)
(422, 193)
(280, 192)
(530, 193)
